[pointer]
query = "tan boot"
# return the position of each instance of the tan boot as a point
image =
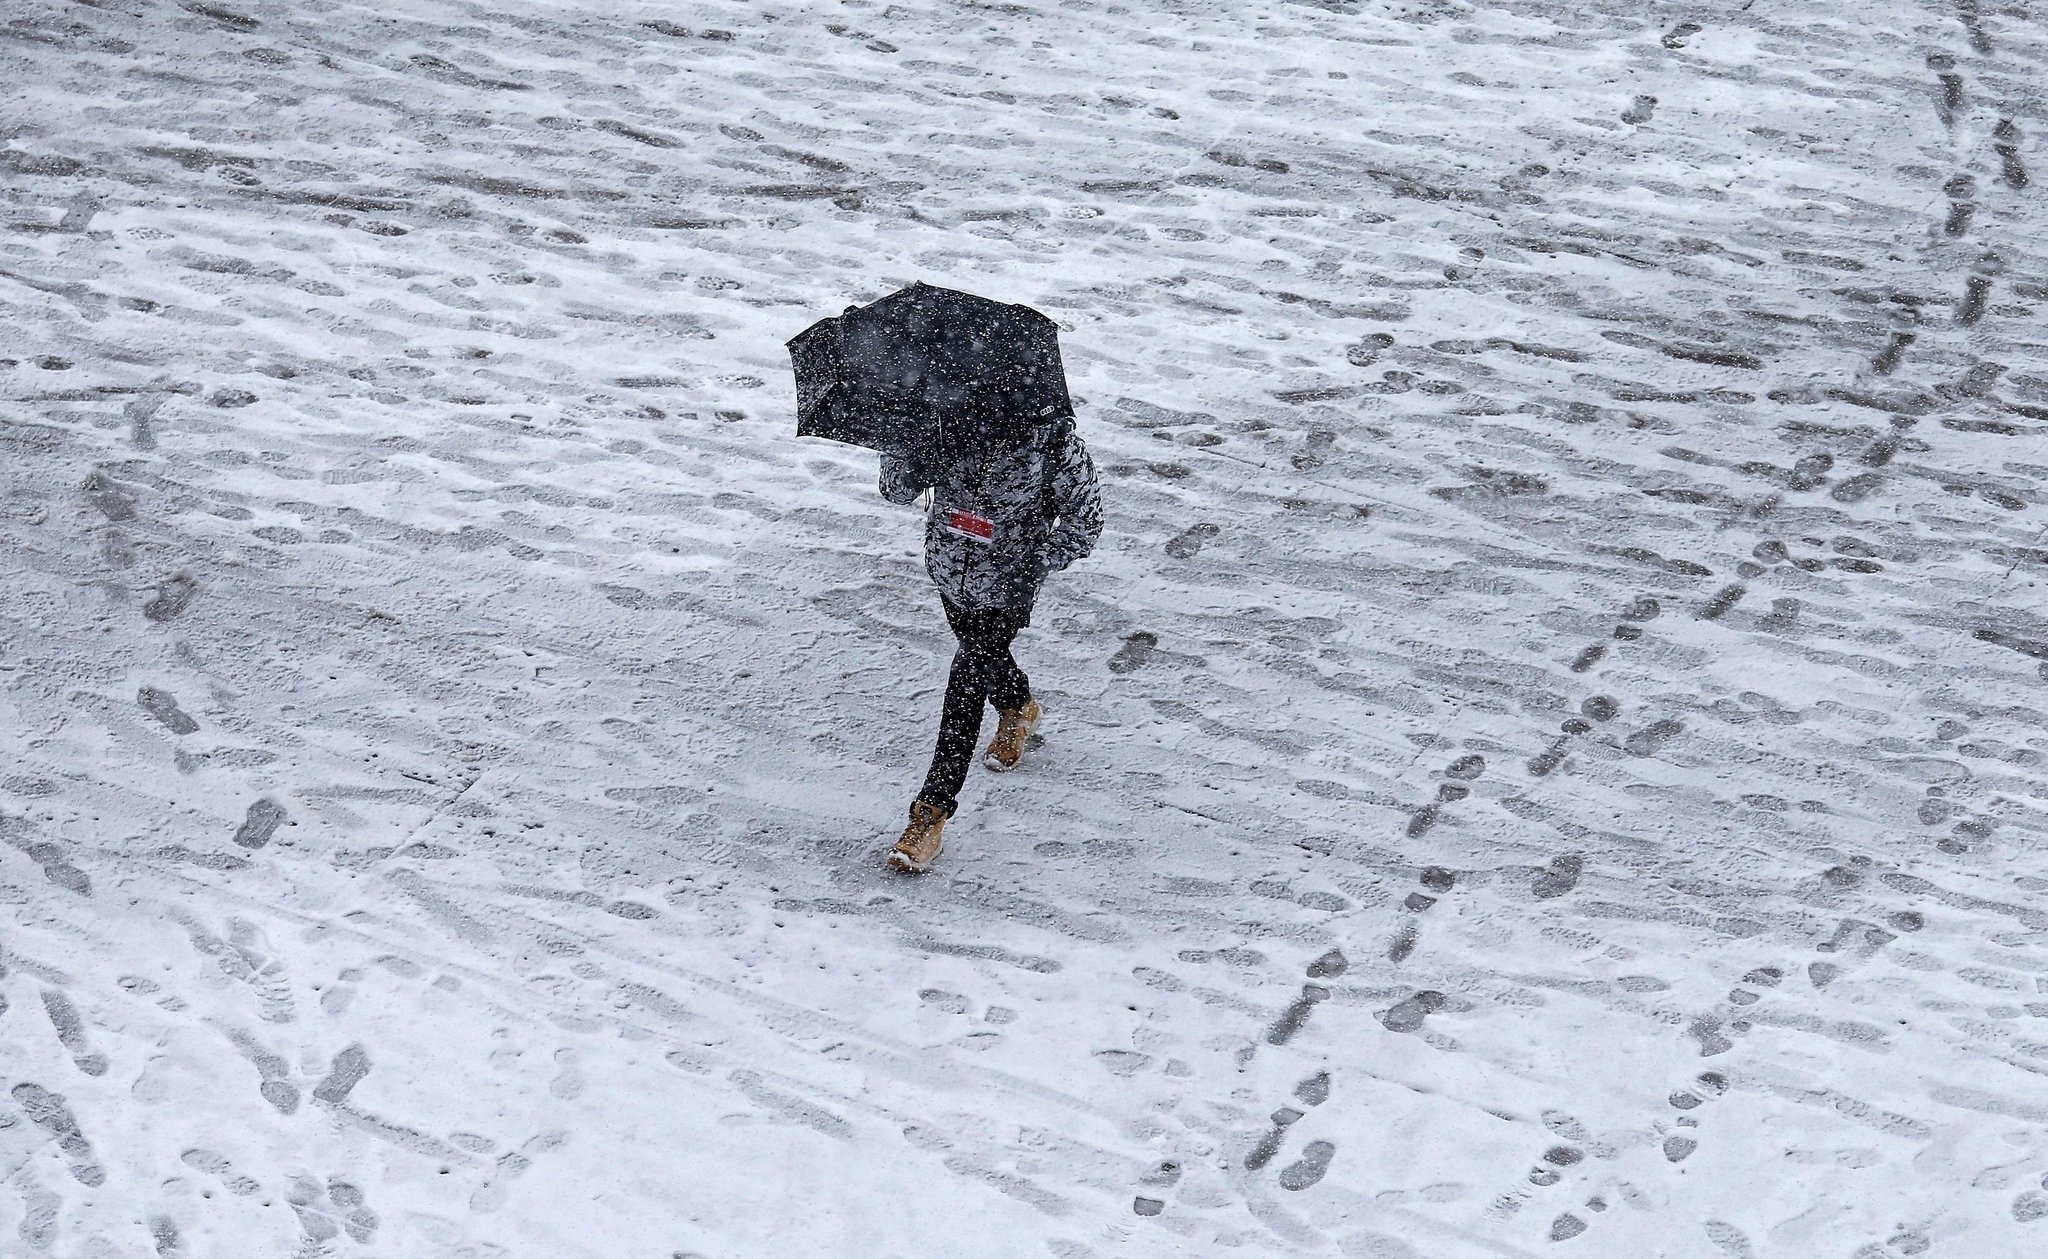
(920, 843)
(1013, 727)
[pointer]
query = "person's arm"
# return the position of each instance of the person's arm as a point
(1076, 500)
(899, 480)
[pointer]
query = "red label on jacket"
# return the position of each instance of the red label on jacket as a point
(966, 523)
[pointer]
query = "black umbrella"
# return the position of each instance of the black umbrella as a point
(929, 375)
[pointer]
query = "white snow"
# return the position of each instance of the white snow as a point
(1554, 719)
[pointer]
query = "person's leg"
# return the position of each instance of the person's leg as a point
(982, 644)
(981, 661)
(1008, 687)
(959, 727)
(1010, 691)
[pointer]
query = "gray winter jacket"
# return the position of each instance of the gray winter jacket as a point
(997, 526)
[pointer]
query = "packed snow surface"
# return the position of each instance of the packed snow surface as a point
(1547, 760)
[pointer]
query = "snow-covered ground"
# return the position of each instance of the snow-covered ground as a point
(1548, 758)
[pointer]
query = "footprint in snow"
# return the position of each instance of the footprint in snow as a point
(1329, 966)
(1407, 1015)
(107, 496)
(1647, 741)
(215, 1164)
(171, 598)
(163, 706)
(1310, 1168)
(359, 1220)
(1561, 877)
(568, 1082)
(1163, 1176)
(343, 1074)
(275, 1088)
(1135, 652)
(1190, 541)
(39, 1218)
(1548, 1172)
(70, 1029)
(52, 1113)
(1269, 1144)
(511, 1165)
(1310, 1092)
(325, 1210)
(260, 823)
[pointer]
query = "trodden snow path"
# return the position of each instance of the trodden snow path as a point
(1547, 759)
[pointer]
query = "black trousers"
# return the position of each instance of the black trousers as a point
(983, 673)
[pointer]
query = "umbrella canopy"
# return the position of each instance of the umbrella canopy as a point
(929, 375)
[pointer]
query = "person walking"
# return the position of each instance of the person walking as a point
(997, 523)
